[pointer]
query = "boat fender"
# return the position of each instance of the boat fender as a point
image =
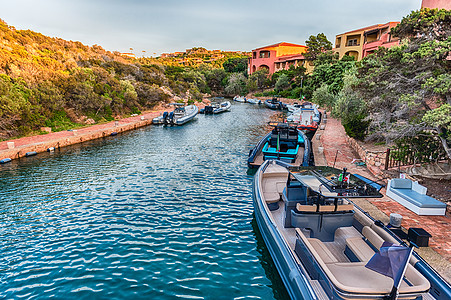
(113, 133)
(32, 153)
(5, 160)
(51, 149)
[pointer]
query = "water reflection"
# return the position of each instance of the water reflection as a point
(157, 213)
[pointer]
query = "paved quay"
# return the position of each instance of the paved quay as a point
(335, 150)
(41, 143)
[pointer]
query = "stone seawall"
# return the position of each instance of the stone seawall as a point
(41, 143)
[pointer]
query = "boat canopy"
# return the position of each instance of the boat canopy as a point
(334, 183)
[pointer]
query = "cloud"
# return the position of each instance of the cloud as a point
(172, 25)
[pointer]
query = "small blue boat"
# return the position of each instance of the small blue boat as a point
(286, 143)
(326, 247)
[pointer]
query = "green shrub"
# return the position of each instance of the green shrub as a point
(356, 127)
(135, 110)
(60, 121)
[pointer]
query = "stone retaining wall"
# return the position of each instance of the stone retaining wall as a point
(374, 160)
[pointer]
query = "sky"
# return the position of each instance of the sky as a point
(153, 27)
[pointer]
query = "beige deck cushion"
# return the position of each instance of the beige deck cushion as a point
(372, 237)
(271, 197)
(274, 183)
(306, 208)
(326, 208)
(362, 218)
(356, 278)
(322, 251)
(345, 207)
(360, 248)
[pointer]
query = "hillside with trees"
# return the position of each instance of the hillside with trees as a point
(393, 96)
(51, 82)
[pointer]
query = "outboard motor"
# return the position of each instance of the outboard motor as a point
(165, 117)
(171, 118)
(208, 110)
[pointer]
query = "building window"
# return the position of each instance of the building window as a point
(338, 42)
(352, 42)
(264, 54)
(254, 55)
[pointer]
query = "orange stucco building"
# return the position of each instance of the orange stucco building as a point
(446, 4)
(277, 57)
(364, 41)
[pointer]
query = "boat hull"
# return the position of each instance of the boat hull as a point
(295, 281)
(239, 99)
(224, 106)
(253, 101)
(271, 105)
(306, 265)
(192, 111)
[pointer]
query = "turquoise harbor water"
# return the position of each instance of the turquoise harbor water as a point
(156, 213)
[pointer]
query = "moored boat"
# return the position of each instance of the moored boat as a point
(222, 107)
(293, 107)
(284, 142)
(253, 101)
(307, 117)
(326, 247)
(241, 99)
(272, 103)
(181, 115)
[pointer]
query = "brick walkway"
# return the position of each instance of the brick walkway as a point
(337, 151)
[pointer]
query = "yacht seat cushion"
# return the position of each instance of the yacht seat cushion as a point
(355, 277)
(322, 251)
(372, 237)
(360, 248)
(345, 207)
(306, 208)
(271, 197)
(274, 183)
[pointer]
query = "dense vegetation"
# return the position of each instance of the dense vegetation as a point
(63, 84)
(395, 93)
(392, 94)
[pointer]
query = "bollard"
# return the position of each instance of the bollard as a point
(395, 220)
